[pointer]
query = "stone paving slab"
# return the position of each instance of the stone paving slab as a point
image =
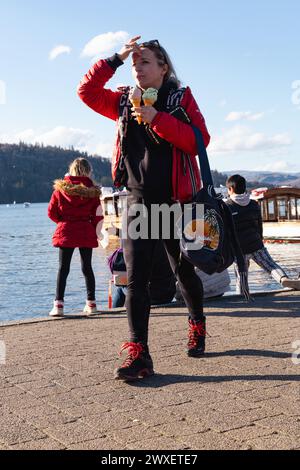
(57, 390)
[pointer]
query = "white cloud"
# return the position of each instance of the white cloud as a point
(104, 44)
(58, 50)
(81, 139)
(241, 138)
(65, 137)
(25, 136)
(280, 165)
(105, 149)
(244, 115)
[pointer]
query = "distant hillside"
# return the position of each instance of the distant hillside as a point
(269, 178)
(220, 179)
(27, 171)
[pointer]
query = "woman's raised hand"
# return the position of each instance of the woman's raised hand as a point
(129, 48)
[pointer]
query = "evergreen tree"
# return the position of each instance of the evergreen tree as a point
(27, 171)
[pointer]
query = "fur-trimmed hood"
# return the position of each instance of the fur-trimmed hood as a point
(81, 186)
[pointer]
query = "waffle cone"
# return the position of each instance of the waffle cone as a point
(149, 102)
(137, 104)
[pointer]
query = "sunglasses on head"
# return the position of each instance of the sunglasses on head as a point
(152, 43)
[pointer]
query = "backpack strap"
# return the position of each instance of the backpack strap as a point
(203, 162)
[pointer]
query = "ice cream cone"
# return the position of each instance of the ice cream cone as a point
(136, 104)
(149, 102)
(135, 97)
(150, 96)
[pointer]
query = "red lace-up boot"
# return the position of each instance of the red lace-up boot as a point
(138, 363)
(197, 333)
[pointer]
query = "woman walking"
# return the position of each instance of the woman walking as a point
(154, 158)
(73, 207)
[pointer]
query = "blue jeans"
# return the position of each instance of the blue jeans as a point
(119, 296)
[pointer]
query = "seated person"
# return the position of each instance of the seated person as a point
(162, 282)
(214, 285)
(249, 228)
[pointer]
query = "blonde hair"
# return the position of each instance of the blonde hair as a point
(163, 58)
(80, 167)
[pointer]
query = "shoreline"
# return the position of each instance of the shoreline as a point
(122, 310)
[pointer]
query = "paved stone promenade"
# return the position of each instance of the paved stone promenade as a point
(57, 391)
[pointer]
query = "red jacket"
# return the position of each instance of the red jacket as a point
(106, 102)
(74, 206)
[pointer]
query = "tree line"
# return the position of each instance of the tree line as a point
(27, 171)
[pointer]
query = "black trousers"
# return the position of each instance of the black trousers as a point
(65, 256)
(138, 255)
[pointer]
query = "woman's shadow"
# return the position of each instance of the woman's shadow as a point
(163, 380)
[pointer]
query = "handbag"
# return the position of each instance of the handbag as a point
(208, 236)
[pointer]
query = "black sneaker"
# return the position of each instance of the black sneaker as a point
(197, 333)
(137, 365)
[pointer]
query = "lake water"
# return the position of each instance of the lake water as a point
(28, 266)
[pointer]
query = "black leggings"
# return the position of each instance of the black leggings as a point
(65, 256)
(138, 258)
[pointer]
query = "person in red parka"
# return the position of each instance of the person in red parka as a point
(154, 158)
(75, 208)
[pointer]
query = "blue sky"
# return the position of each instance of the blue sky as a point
(241, 60)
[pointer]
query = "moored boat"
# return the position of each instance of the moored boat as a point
(112, 206)
(280, 209)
